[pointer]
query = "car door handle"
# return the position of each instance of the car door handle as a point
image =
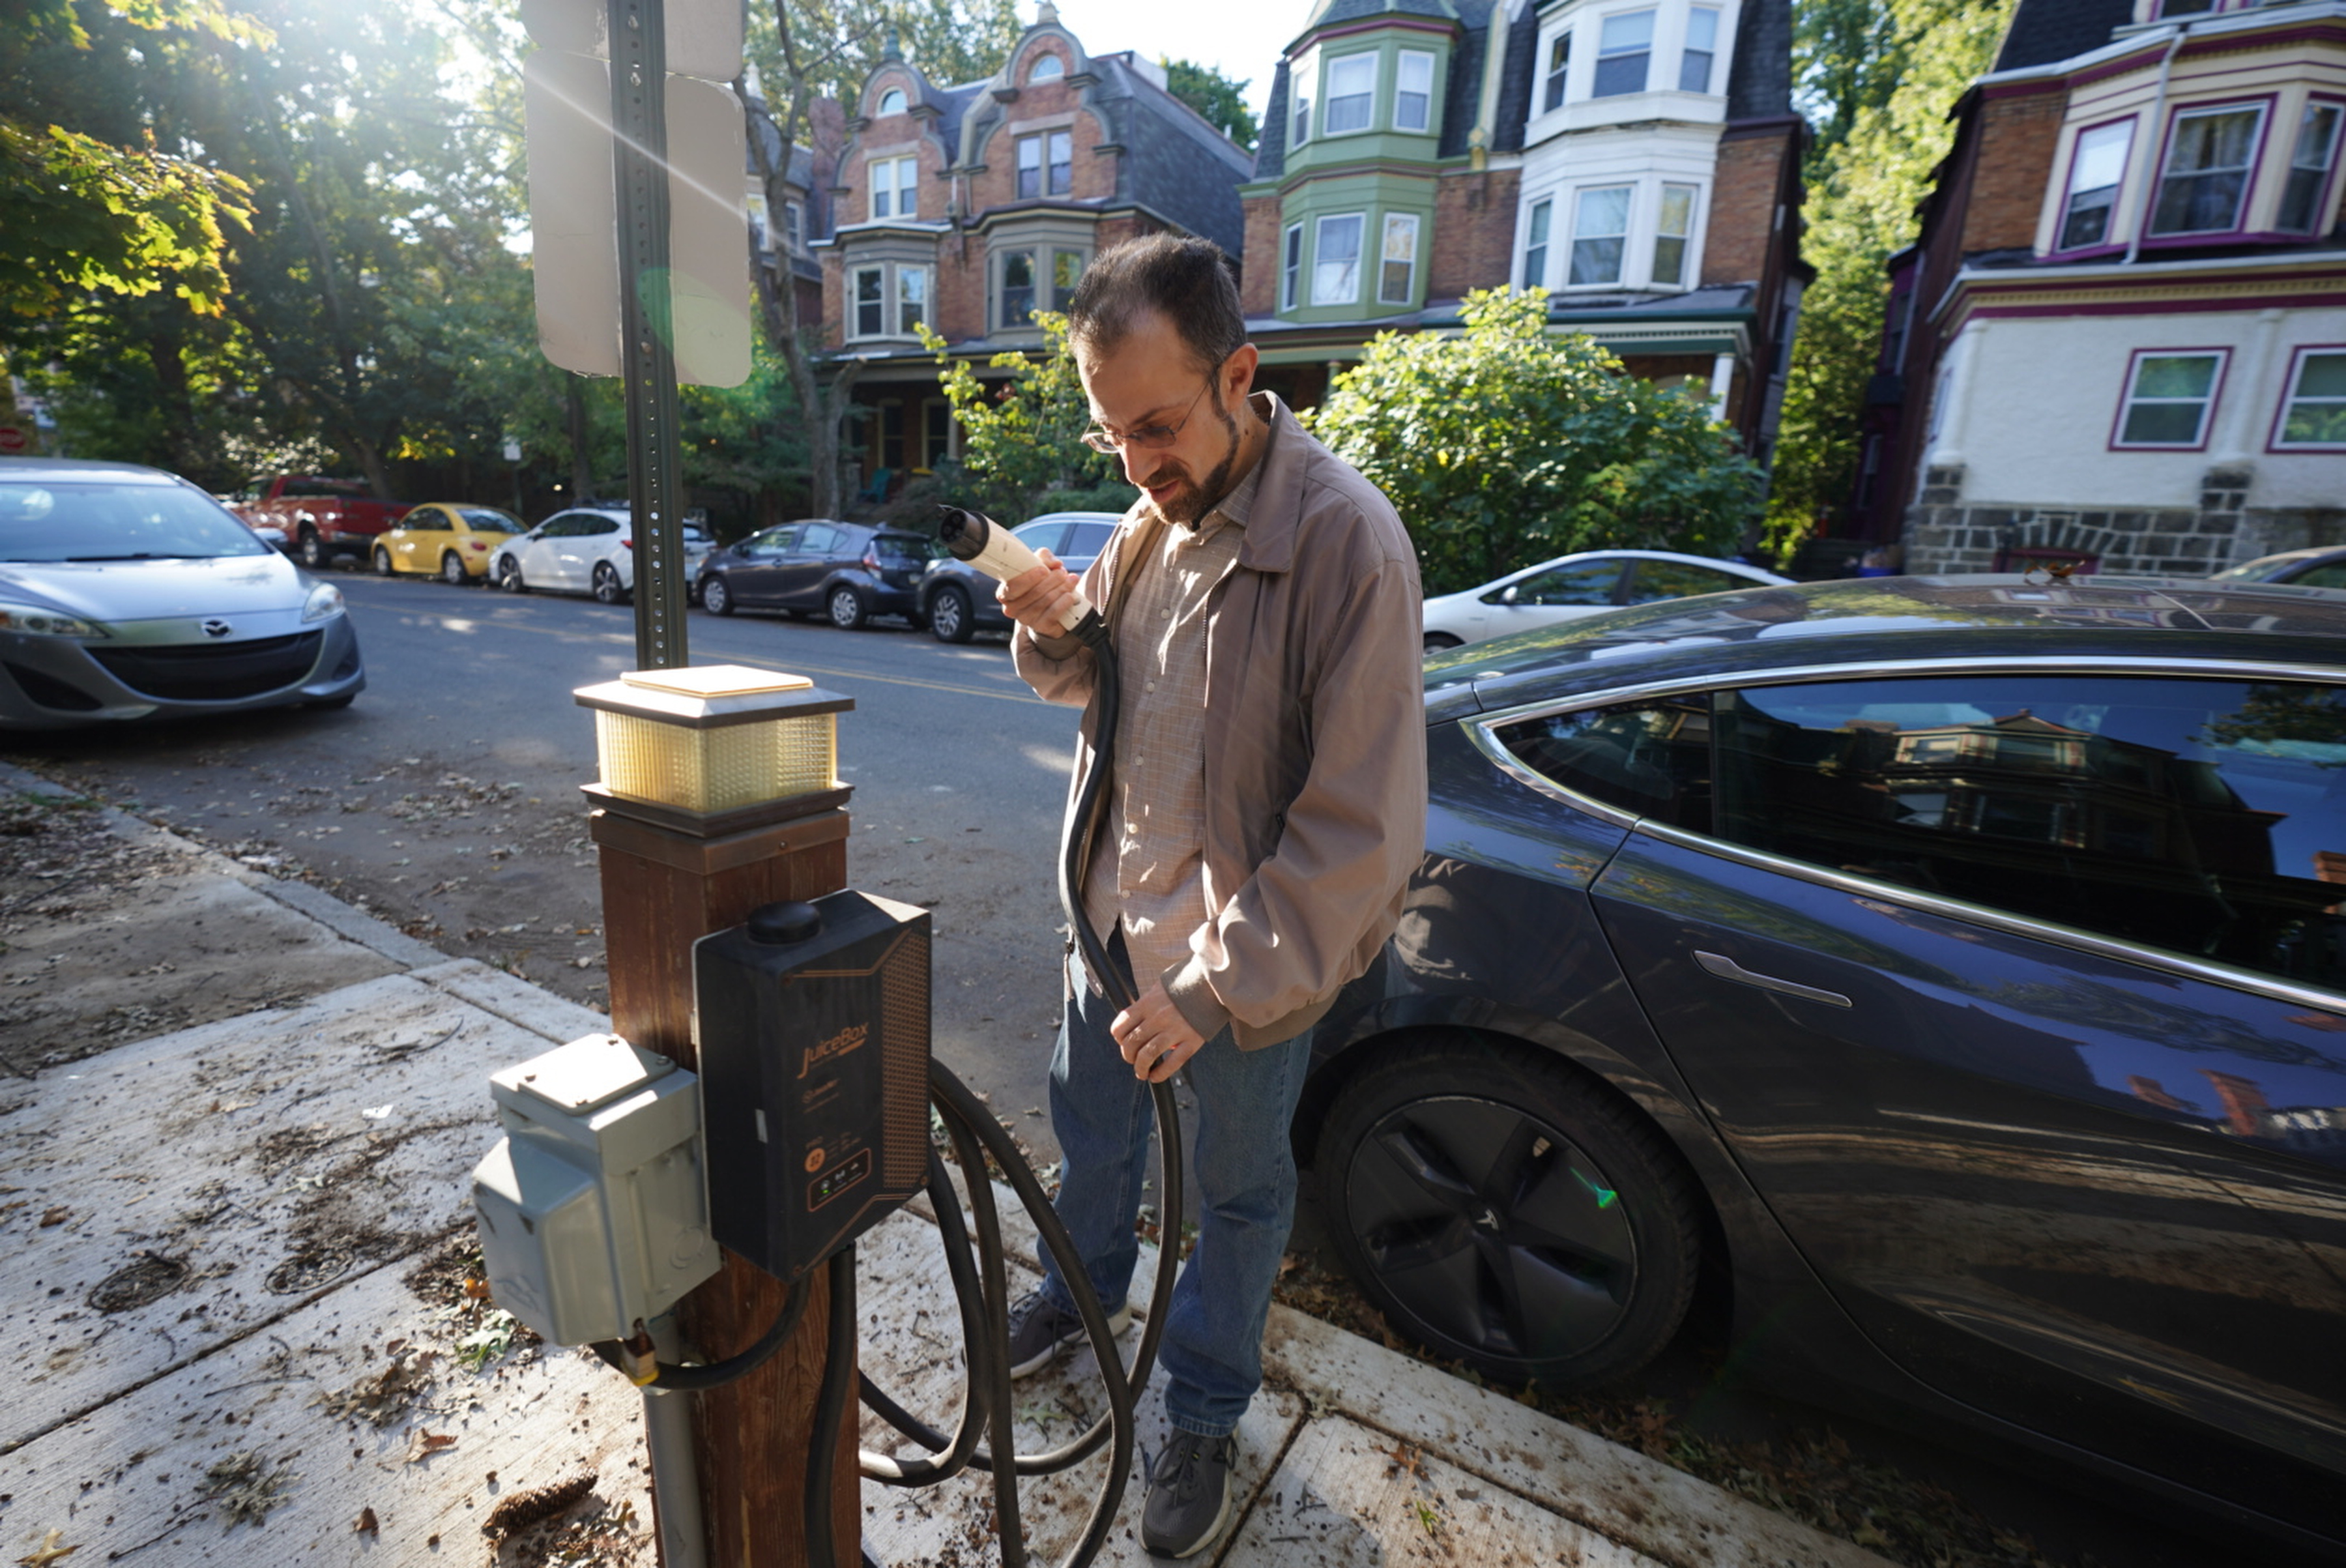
(1725, 968)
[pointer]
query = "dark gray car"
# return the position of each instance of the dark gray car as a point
(958, 599)
(845, 571)
(1951, 970)
(126, 593)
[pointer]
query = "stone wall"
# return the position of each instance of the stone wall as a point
(1947, 534)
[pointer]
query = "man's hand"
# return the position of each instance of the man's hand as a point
(1038, 599)
(1154, 1036)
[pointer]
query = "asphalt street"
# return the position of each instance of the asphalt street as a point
(446, 800)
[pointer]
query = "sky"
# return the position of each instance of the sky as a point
(1240, 38)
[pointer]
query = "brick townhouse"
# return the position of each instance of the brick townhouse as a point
(1637, 157)
(968, 207)
(2120, 338)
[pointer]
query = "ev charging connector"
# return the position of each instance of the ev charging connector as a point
(593, 1207)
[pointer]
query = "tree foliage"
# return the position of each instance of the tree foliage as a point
(1862, 195)
(1220, 100)
(1510, 443)
(1021, 436)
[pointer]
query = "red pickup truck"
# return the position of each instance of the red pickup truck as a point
(315, 518)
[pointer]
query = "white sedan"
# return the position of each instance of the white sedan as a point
(1571, 586)
(588, 550)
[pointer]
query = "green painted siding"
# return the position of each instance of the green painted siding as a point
(1344, 217)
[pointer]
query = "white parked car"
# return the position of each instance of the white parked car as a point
(586, 550)
(1571, 586)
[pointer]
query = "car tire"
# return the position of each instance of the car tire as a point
(951, 618)
(716, 597)
(382, 566)
(509, 575)
(1506, 1210)
(312, 550)
(1437, 641)
(606, 587)
(452, 569)
(845, 608)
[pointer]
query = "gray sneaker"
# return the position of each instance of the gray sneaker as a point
(1041, 1331)
(1189, 1495)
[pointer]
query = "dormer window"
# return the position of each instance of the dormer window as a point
(2310, 164)
(1624, 48)
(2096, 170)
(891, 102)
(1302, 120)
(1413, 92)
(1559, 62)
(1047, 68)
(1701, 48)
(1351, 90)
(2206, 183)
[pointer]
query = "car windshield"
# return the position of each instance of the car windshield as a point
(97, 521)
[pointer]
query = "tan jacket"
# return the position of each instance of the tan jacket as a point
(1315, 742)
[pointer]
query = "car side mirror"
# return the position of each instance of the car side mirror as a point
(1510, 597)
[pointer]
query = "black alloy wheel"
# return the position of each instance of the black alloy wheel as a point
(452, 569)
(1508, 1211)
(715, 596)
(846, 607)
(313, 552)
(950, 619)
(509, 576)
(382, 567)
(607, 585)
(1436, 641)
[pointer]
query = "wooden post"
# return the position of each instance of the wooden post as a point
(664, 886)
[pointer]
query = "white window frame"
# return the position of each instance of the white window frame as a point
(1558, 77)
(1539, 237)
(2129, 398)
(1685, 240)
(1396, 223)
(1047, 68)
(1290, 267)
(1001, 290)
(2324, 173)
(1321, 293)
(877, 304)
(1407, 61)
(2291, 395)
(2079, 151)
(1652, 16)
(898, 297)
(794, 225)
(1366, 97)
(1687, 51)
(1629, 224)
(2261, 109)
(899, 180)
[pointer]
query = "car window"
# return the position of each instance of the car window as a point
(693, 534)
(2204, 818)
(1582, 583)
(1050, 534)
(1652, 580)
(49, 521)
(425, 519)
(817, 539)
(2330, 576)
(490, 522)
(771, 541)
(1651, 758)
(905, 546)
(598, 525)
(1087, 539)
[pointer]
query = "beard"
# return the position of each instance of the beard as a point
(1193, 498)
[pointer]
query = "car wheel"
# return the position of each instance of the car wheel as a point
(950, 618)
(381, 562)
(313, 552)
(452, 569)
(1510, 1212)
(509, 576)
(846, 607)
(607, 585)
(716, 597)
(1436, 641)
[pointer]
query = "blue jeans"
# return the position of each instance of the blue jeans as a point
(1101, 1113)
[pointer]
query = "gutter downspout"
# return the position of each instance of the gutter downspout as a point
(2158, 151)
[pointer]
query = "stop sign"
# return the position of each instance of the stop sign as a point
(12, 438)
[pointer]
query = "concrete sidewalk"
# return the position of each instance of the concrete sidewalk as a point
(236, 1311)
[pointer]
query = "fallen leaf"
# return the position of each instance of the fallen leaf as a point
(49, 1552)
(55, 1216)
(427, 1444)
(366, 1524)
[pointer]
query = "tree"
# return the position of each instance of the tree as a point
(1509, 444)
(95, 198)
(1220, 100)
(1021, 437)
(1861, 196)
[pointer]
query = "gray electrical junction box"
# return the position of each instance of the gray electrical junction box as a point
(595, 1206)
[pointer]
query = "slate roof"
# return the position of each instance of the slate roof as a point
(2043, 31)
(1761, 85)
(1517, 73)
(1465, 95)
(1271, 147)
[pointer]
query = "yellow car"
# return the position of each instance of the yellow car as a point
(440, 538)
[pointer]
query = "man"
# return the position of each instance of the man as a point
(1265, 810)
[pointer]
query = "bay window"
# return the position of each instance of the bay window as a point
(1535, 245)
(2205, 185)
(912, 299)
(1559, 67)
(1397, 274)
(1066, 271)
(2313, 412)
(1336, 261)
(1413, 91)
(1290, 273)
(1701, 48)
(1672, 229)
(1352, 92)
(2309, 162)
(2097, 168)
(2169, 395)
(1017, 307)
(888, 299)
(871, 302)
(1624, 47)
(1600, 230)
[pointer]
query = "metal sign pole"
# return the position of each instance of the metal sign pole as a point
(647, 323)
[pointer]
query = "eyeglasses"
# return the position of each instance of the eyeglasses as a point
(1148, 437)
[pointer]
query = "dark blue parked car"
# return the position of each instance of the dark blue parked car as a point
(845, 571)
(1955, 966)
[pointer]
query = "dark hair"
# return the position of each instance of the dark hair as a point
(1187, 280)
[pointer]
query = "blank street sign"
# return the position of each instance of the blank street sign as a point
(703, 39)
